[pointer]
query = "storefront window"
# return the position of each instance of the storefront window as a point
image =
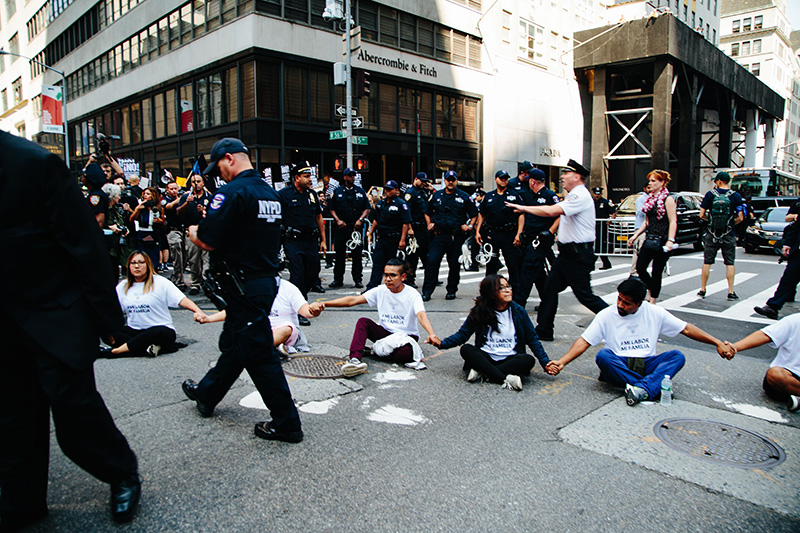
(126, 126)
(136, 123)
(320, 101)
(388, 107)
(268, 91)
(296, 99)
(158, 108)
(231, 95)
(172, 123)
(425, 112)
(471, 120)
(248, 90)
(215, 95)
(203, 120)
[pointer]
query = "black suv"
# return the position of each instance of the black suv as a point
(690, 227)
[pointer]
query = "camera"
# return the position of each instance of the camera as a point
(150, 204)
(333, 11)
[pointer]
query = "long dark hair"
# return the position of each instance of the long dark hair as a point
(487, 302)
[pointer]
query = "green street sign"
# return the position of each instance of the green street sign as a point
(360, 140)
(338, 134)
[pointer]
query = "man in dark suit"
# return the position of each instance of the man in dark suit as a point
(56, 298)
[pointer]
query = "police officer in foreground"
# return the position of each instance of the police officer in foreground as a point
(502, 227)
(603, 209)
(521, 181)
(303, 231)
(349, 208)
(392, 219)
(576, 258)
(242, 231)
(417, 199)
(451, 216)
(94, 178)
(537, 238)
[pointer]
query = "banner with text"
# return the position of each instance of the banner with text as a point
(52, 116)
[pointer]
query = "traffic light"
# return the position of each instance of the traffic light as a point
(338, 164)
(362, 84)
(362, 164)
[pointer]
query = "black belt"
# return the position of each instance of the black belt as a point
(259, 274)
(575, 246)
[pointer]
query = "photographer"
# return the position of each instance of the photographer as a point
(148, 216)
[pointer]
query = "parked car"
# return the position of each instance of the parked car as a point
(762, 203)
(767, 232)
(690, 227)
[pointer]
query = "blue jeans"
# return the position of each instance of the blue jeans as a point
(614, 369)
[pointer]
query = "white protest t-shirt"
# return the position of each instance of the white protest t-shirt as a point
(784, 335)
(577, 222)
(634, 335)
(152, 309)
(286, 305)
(500, 344)
(397, 312)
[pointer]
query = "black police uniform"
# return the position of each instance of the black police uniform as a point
(448, 212)
(98, 202)
(348, 204)
(534, 258)
(301, 236)
(602, 209)
(243, 225)
(517, 183)
(389, 215)
(499, 227)
(417, 200)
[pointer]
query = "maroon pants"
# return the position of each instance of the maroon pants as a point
(367, 329)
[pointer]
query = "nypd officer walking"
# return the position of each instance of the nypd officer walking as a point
(392, 219)
(417, 199)
(501, 227)
(537, 238)
(349, 208)
(451, 216)
(242, 231)
(576, 258)
(303, 231)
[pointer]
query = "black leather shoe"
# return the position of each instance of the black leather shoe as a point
(125, 498)
(412, 284)
(767, 311)
(439, 282)
(450, 296)
(358, 285)
(303, 320)
(544, 335)
(265, 431)
(336, 285)
(317, 288)
(20, 521)
(190, 390)
(426, 297)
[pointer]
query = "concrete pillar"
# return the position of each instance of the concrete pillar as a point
(769, 143)
(750, 137)
(726, 104)
(662, 113)
(687, 128)
(599, 131)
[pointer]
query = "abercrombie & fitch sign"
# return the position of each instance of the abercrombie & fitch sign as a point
(398, 63)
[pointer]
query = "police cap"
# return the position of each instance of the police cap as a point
(450, 175)
(228, 145)
(502, 174)
(574, 166)
(526, 166)
(349, 171)
(95, 175)
(391, 184)
(538, 175)
(421, 176)
(303, 167)
(597, 190)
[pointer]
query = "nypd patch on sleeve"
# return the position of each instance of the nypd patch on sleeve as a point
(216, 202)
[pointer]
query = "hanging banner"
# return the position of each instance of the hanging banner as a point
(52, 116)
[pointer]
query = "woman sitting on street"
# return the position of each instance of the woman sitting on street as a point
(146, 298)
(502, 328)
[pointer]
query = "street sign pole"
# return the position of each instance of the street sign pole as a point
(348, 86)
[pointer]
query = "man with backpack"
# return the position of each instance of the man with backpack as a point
(722, 207)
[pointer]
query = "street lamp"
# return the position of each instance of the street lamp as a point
(63, 96)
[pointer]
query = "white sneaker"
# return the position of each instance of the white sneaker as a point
(794, 403)
(353, 367)
(512, 382)
(153, 350)
(283, 351)
(473, 376)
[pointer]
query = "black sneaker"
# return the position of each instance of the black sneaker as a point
(701, 294)
(733, 296)
(767, 311)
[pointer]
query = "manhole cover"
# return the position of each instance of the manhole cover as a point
(314, 366)
(719, 443)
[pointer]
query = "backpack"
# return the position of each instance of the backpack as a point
(720, 223)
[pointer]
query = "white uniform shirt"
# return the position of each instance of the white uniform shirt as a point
(784, 335)
(397, 311)
(577, 222)
(145, 310)
(634, 335)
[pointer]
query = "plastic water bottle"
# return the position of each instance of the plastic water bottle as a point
(666, 391)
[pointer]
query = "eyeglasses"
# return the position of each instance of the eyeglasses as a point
(138, 263)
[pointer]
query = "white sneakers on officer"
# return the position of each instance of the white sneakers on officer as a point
(473, 376)
(153, 350)
(512, 382)
(353, 367)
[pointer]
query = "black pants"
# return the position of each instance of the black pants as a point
(573, 268)
(340, 238)
(443, 245)
(34, 384)
(423, 237)
(788, 283)
(304, 266)
(138, 340)
(246, 344)
(659, 259)
(496, 371)
(601, 243)
(532, 271)
(512, 255)
(385, 249)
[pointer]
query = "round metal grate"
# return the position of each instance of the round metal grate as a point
(314, 366)
(719, 443)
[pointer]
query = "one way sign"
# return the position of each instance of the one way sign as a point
(358, 122)
(341, 110)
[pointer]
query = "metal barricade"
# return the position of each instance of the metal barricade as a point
(612, 236)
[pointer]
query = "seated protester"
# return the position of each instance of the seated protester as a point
(631, 335)
(782, 380)
(502, 329)
(146, 298)
(288, 303)
(400, 309)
